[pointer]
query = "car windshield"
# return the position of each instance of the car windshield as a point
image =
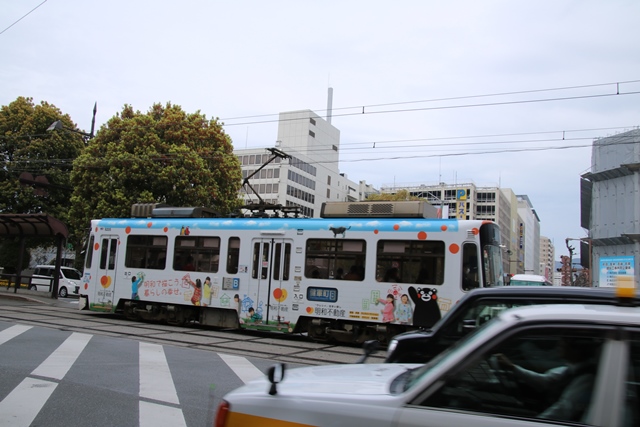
(414, 376)
(71, 273)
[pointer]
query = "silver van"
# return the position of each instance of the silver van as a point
(68, 283)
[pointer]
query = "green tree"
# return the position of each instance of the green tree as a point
(26, 147)
(29, 154)
(397, 196)
(162, 156)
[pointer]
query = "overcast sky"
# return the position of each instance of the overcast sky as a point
(498, 93)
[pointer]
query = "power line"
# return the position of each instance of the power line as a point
(362, 108)
(24, 16)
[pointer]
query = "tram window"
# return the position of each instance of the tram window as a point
(197, 253)
(146, 252)
(282, 253)
(89, 258)
(108, 253)
(470, 277)
(324, 257)
(104, 254)
(410, 261)
(233, 255)
(260, 260)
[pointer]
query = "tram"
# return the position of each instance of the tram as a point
(364, 270)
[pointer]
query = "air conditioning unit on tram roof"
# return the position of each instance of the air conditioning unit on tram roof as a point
(379, 209)
(162, 210)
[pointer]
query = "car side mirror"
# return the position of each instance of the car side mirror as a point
(369, 347)
(275, 374)
(468, 325)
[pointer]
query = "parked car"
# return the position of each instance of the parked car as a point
(476, 308)
(529, 280)
(476, 382)
(68, 282)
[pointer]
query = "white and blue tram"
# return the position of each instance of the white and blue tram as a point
(338, 277)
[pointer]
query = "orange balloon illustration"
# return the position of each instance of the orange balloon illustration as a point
(280, 294)
(105, 281)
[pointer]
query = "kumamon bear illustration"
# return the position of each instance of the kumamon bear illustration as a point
(427, 311)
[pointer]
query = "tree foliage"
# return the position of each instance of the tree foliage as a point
(27, 147)
(162, 156)
(398, 196)
(47, 157)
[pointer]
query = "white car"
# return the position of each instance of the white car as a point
(529, 366)
(68, 283)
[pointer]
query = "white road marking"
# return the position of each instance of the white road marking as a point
(155, 377)
(153, 415)
(244, 369)
(60, 361)
(12, 332)
(23, 404)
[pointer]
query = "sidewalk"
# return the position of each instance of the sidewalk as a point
(27, 295)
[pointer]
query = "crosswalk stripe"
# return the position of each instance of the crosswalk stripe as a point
(22, 405)
(59, 362)
(154, 415)
(244, 369)
(155, 377)
(12, 332)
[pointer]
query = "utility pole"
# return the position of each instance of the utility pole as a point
(571, 248)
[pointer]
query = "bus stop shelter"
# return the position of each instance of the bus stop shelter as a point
(24, 226)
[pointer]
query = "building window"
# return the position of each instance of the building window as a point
(335, 148)
(312, 134)
(313, 122)
(329, 180)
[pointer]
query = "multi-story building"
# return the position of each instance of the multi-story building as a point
(547, 258)
(308, 175)
(530, 231)
(467, 201)
(610, 209)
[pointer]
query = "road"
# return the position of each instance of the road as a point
(64, 367)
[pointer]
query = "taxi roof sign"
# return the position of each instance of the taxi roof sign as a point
(625, 287)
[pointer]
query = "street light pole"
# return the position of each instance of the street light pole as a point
(57, 125)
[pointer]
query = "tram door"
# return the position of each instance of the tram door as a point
(270, 275)
(105, 291)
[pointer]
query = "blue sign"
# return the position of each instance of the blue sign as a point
(322, 294)
(613, 267)
(236, 283)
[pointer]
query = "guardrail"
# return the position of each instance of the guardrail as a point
(9, 280)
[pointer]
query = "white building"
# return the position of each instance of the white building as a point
(547, 258)
(310, 176)
(610, 208)
(530, 232)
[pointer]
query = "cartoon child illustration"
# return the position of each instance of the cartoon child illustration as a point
(206, 292)
(389, 308)
(136, 282)
(404, 311)
(197, 291)
(254, 317)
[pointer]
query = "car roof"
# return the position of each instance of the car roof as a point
(544, 291)
(533, 277)
(574, 313)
